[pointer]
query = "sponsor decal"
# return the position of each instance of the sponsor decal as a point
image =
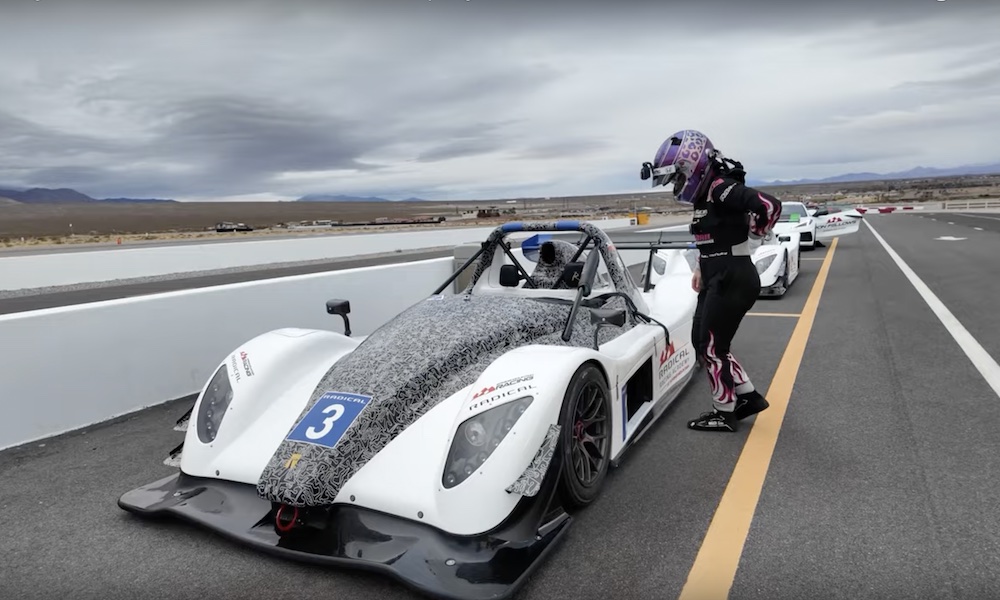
(501, 385)
(236, 369)
(672, 362)
(725, 193)
(502, 394)
(244, 362)
(327, 421)
(292, 460)
(667, 353)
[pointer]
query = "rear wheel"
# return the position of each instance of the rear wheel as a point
(585, 440)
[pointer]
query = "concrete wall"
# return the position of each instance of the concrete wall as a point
(52, 269)
(69, 367)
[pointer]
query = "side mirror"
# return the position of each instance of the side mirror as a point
(821, 212)
(342, 308)
(509, 276)
(784, 238)
(571, 275)
(606, 317)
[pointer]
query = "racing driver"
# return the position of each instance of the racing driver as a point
(726, 214)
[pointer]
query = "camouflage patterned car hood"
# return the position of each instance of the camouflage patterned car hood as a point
(402, 370)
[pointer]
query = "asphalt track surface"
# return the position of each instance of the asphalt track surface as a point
(881, 483)
(965, 220)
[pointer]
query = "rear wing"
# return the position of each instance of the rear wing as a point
(649, 241)
(652, 240)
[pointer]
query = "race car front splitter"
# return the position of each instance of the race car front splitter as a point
(488, 566)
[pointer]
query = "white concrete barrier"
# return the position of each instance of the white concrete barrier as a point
(70, 367)
(979, 204)
(53, 269)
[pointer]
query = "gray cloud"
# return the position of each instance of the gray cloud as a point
(467, 99)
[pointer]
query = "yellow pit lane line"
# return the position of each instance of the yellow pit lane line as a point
(714, 568)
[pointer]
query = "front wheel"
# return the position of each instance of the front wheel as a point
(585, 440)
(784, 276)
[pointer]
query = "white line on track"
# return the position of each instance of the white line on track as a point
(980, 217)
(980, 358)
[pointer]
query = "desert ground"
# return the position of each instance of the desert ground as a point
(100, 223)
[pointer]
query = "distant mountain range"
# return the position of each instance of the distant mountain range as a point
(70, 196)
(914, 173)
(344, 198)
(63, 196)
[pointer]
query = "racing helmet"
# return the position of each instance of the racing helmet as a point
(686, 160)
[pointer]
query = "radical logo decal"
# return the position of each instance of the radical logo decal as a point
(672, 363)
(502, 390)
(501, 385)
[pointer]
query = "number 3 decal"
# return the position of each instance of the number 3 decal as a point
(337, 410)
(329, 419)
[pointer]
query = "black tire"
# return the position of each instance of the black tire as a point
(585, 447)
(784, 276)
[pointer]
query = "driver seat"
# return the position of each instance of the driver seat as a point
(553, 256)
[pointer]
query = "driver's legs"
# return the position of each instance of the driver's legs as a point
(730, 286)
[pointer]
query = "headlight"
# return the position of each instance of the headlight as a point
(214, 403)
(764, 263)
(477, 438)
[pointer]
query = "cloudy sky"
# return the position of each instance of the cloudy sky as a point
(469, 99)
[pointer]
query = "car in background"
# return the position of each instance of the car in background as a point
(814, 226)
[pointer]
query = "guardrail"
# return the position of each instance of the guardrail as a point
(970, 204)
(88, 266)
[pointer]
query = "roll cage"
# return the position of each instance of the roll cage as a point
(578, 275)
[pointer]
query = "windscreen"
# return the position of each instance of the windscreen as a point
(791, 213)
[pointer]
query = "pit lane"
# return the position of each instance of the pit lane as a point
(879, 486)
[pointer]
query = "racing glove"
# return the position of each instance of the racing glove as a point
(764, 215)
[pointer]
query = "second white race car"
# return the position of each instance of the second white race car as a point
(815, 227)
(777, 260)
(777, 256)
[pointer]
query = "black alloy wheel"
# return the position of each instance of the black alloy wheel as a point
(584, 440)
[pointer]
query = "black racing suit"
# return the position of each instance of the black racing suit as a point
(723, 221)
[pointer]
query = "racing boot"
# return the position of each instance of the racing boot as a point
(715, 420)
(749, 404)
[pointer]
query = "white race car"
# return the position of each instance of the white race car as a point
(777, 260)
(835, 221)
(815, 226)
(448, 447)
